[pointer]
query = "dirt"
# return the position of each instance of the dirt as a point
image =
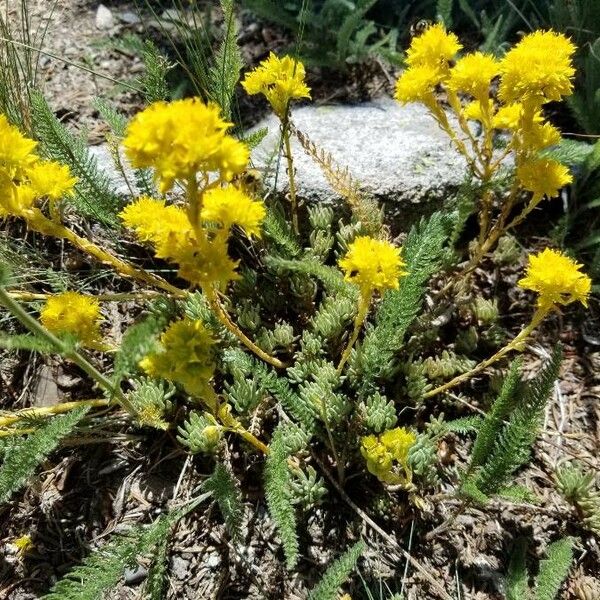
(102, 484)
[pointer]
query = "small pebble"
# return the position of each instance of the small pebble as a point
(104, 17)
(135, 575)
(129, 18)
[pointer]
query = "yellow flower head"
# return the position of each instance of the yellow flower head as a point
(166, 227)
(473, 74)
(231, 206)
(508, 117)
(24, 545)
(280, 80)
(556, 278)
(383, 453)
(186, 357)
(473, 110)
(182, 138)
(50, 179)
(538, 136)
(539, 68)
(543, 177)
(434, 48)
(417, 84)
(208, 262)
(16, 151)
(70, 313)
(373, 265)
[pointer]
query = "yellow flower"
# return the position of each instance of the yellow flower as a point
(169, 230)
(508, 117)
(473, 74)
(186, 357)
(543, 177)
(280, 80)
(434, 48)
(473, 110)
(539, 136)
(24, 545)
(207, 263)
(388, 451)
(556, 278)
(231, 206)
(15, 149)
(50, 179)
(417, 84)
(182, 138)
(373, 265)
(166, 227)
(70, 313)
(539, 68)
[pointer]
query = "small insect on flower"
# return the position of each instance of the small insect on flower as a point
(74, 314)
(373, 265)
(556, 278)
(434, 48)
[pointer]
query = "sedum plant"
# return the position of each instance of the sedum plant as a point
(266, 305)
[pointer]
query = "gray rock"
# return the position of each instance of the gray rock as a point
(397, 153)
(104, 17)
(106, 165)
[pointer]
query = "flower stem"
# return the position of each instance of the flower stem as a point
(225, 319)
(361, 315)
(65, 349)
(45, 411)
(514, 344)
(48, 227)
(291, 174)
(229, 421)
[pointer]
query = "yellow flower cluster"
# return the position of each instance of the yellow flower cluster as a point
(168, 228)
(280, 80)
(25, 177)
(182, 138)
(539, 69)
(556, 278)
(428, 65)
(185, 357)
(373, 265)
(74, 314)
(387, 455)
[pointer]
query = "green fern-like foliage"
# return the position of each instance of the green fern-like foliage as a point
(94, 196)
(492, 423)
(554, 570)
(226, 492)
(423, 252)
(140, 339)
(516, 581)
(278, 494)
(224, 73)
(26, 341)
(512, 439)
(23, 456)
(102, 570)
(337, 573)
(278, 387)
